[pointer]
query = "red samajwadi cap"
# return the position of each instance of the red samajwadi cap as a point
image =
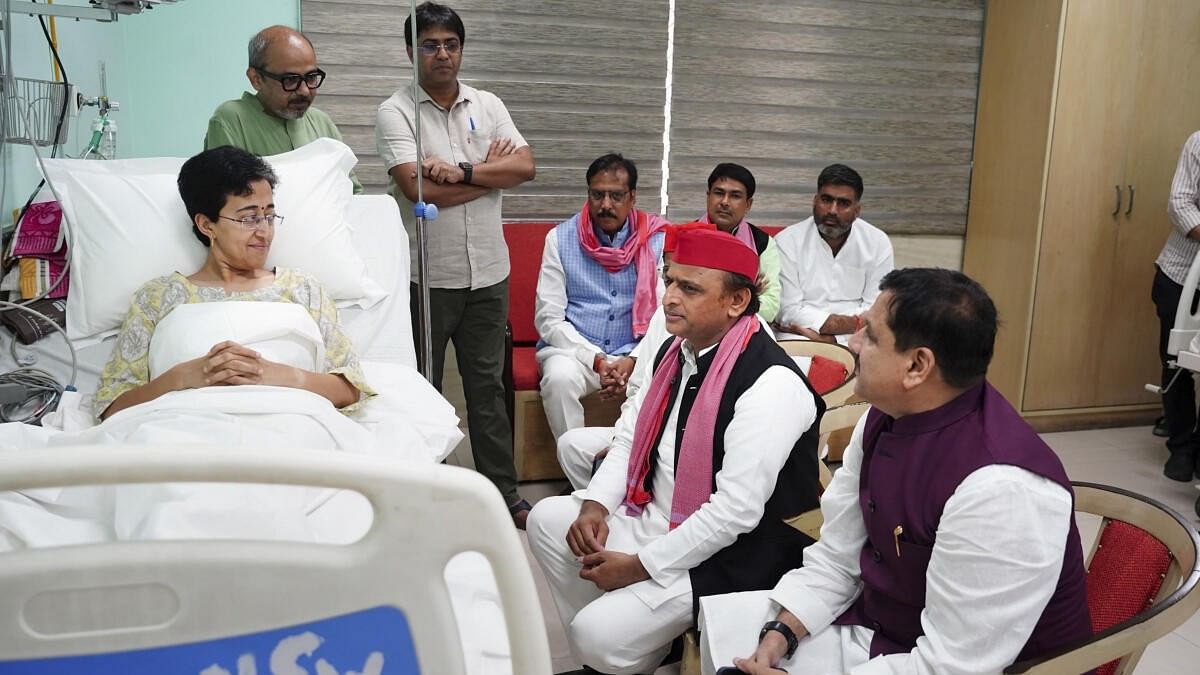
(716, 250)
(673, 232)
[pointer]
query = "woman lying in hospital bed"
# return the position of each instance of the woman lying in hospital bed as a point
(179, 331)
(235, 355)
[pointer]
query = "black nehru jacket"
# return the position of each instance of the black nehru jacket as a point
(756, 559)
(761, 239)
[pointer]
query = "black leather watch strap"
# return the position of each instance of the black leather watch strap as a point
(468, 169)
(787, 633)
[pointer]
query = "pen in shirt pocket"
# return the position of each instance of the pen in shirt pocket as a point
(896, 536)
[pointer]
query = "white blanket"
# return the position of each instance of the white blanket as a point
(409, 421)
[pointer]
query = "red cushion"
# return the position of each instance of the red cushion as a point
(525, 369)
(825, 374)
(525, 243)
(772, 229)
(1124, 576)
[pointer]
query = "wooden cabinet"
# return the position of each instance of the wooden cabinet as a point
(1083, 108)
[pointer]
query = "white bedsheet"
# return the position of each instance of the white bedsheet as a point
(408, 422)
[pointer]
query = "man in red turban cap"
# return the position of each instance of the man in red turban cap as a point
(714, 453)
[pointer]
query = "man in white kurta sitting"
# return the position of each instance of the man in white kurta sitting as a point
(716, 451)
(597, 289)
(831, 263)
(949, 543)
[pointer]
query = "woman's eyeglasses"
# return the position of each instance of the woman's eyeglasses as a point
(255, 222)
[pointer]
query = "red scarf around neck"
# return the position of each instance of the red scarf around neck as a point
(636, 249)
(693, 473)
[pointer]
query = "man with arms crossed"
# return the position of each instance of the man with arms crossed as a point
(471, 151)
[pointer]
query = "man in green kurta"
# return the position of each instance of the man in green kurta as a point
(279, 117)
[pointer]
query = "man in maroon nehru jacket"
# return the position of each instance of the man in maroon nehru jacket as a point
(715, 452)
(949, 543)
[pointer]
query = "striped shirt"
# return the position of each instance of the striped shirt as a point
(1183, 208)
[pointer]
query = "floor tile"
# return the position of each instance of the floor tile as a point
(1168, 655)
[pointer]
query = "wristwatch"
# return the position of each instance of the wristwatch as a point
(467, 169)
(783, 629)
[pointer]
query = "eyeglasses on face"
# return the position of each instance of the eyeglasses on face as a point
(599, 195)
(255, 222)
(431, 48)
(291, 81)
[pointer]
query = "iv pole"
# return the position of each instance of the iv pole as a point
(421, 211)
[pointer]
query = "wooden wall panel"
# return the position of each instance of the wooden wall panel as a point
(1012, 143)
(578, 83)
(788, 88)
(887, 86)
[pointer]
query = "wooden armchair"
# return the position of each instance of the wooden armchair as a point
(1143, 582)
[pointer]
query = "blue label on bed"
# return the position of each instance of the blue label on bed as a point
(370, 642)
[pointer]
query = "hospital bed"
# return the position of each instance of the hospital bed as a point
(376, 605)
(381, 331)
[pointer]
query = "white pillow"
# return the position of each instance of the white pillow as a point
(126, 225)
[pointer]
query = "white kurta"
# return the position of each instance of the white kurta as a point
(578, 446)
(814, 283)
(995, 563)
(613, 632)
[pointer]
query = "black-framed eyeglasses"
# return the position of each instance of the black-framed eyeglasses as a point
(291, 81)
(615, 195)
(431, 48)
(255, 222)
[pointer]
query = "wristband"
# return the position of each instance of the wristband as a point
(599, 358)
(783, 629)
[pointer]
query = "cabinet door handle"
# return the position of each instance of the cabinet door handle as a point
(1130, 209)
(1117, 208)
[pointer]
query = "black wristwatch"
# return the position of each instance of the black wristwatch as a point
(783, 629)
(467, 169)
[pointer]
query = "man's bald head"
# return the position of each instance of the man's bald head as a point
(274, 38)
(280, 55)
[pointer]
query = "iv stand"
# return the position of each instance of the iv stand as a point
(425, 359)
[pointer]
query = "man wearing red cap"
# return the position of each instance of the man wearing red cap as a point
(715, 452)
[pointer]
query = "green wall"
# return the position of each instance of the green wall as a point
(168, 67)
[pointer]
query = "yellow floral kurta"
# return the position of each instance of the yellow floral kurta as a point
(129, 365)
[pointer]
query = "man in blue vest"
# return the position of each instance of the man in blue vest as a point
(597, 290)
(949, 543)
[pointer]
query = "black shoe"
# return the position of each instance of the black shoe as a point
(1160, 428)
(1180, 466)
(520, 513)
